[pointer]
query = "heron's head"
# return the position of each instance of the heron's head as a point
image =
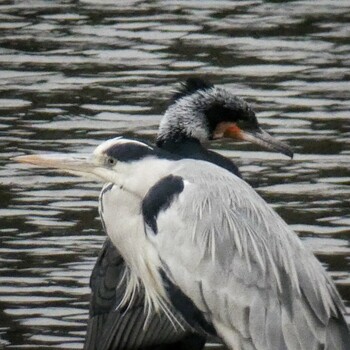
(205, 112)
(116, 160)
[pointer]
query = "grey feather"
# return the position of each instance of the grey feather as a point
(274, 333)
(257, 321)
(248, 263)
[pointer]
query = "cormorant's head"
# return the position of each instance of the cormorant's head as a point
(205, 112)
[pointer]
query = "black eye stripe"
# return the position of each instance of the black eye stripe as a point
(133, 151)
(128, 152)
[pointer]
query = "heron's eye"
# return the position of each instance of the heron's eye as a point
(111, 161)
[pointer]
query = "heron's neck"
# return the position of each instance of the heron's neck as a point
(138, 178)
(120, 215)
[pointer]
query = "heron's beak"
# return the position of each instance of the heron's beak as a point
(77, 164)
(259, 137)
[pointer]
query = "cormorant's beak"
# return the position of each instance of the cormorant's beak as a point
(76, 164)
(259, 137)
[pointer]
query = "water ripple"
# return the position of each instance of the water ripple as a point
(72, 76)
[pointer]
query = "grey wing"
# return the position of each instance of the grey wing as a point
(110, 327)
(247, 272)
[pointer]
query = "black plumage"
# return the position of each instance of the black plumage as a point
(190, 86)
(159, 198)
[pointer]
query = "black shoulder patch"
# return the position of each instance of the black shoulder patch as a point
(159, 197)
(129, 151)
(186, 307)
(191, 86)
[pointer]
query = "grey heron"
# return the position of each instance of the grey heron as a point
(208, 251)
(198, 113)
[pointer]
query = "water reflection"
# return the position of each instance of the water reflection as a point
(73, 74)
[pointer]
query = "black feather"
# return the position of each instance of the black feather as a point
(159, 197)
(132, 151)
(191, 148)
(185, 306)
(190, 86)
(111, 327)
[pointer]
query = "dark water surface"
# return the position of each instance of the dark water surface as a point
(74, 73)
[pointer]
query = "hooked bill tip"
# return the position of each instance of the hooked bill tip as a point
(265, 140)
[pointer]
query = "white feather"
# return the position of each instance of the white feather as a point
(125, 227)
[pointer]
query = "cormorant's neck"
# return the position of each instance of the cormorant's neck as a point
(181, 145)
(188, 147)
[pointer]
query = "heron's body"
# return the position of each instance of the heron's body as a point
(106, 321)
(247, 274)
(208, 253)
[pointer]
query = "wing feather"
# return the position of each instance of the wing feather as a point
(273, 329)
(257, 321)
(256, 279)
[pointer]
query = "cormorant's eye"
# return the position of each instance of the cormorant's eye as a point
(111, 161)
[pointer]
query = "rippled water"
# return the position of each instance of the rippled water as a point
(75, 73)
